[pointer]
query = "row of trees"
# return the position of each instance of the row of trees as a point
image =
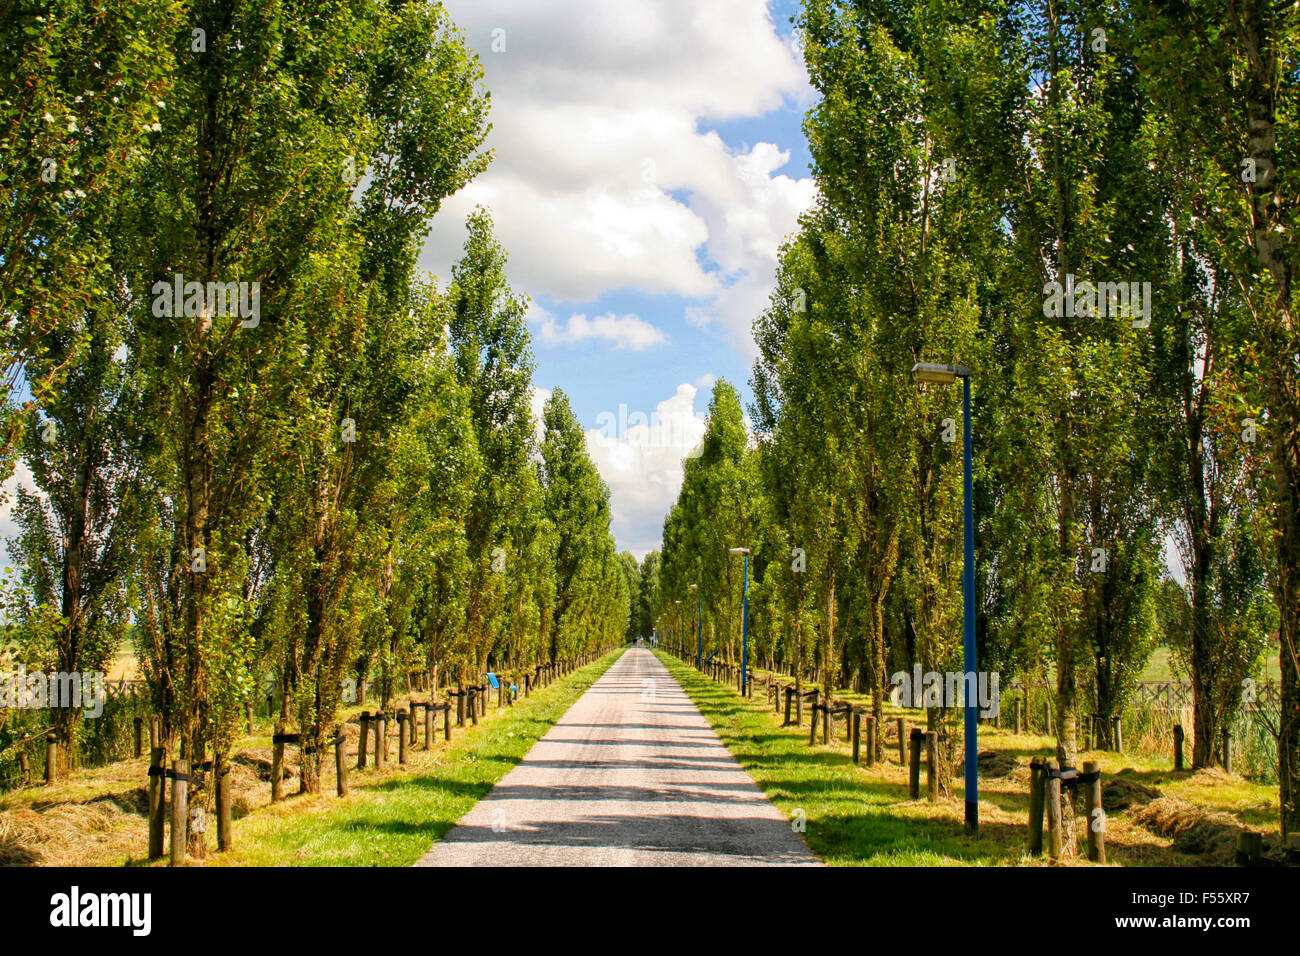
(1089, 205)
(343, 476)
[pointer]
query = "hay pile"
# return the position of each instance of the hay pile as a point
(1211, 835)
(55, 834)
(1120, 794)
(995, 763)
(250, 779)
(1212, 777)
(257, 762)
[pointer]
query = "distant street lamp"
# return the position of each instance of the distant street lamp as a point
(946, 375)
(699, 627)
(744, 625)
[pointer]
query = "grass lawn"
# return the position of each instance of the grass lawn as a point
(856, 815)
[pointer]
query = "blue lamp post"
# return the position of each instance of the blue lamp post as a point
(744, 625)
(947, 374)
(699, 627)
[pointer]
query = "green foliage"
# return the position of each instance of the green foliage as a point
(344, 484)
(968, 155)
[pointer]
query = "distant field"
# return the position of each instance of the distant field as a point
(123, 666)
(1164, 666)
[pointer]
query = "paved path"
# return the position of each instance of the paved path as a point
(632, 775)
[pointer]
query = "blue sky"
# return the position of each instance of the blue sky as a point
(649, 161)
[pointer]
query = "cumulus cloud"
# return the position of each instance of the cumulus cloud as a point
(22, 476)
(640, 457)
(539, 399)
(623, 332)
(605, 175)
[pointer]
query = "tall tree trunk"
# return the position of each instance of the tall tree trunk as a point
(1271, 226)
(1204, 690)
(828, 661)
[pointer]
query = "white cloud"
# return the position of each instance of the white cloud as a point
(539, 399)
(640, 457)
(623, 332)
(604, 177)
(8, 498)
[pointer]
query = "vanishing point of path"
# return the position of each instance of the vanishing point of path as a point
(632, 775)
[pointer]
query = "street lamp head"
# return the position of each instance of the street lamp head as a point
(738, 551)
(935, 372)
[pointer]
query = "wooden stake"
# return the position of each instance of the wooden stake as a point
(225, 815)
(157, 801)
(1250, 847)
(180, 805)
(1036, 807)
(277, 763)
(932, 766)
(1052, 799)
(51, 757)
(914, 766)
(1178, 746)
(812, 723)
(1096, 815)
(341, 763)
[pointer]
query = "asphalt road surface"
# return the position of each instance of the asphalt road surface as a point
(632, 775)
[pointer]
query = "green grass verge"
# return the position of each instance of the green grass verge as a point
(851, 817)
(393, 822)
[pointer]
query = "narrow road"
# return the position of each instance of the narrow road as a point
(632, 775)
